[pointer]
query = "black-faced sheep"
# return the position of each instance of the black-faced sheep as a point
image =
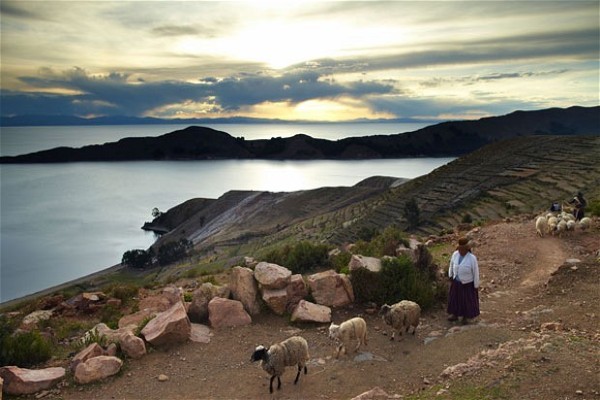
(401, 316)
(351, 331)
(292, 351)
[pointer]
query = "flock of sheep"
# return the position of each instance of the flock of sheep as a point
(559, 223)
(350, 334)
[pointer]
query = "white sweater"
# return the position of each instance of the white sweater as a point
(467, 271)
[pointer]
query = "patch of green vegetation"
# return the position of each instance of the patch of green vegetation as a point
(340, 262)
(299, 258)
(384, 244)
(142, 325)
(92, 336)
(594, 207)
(23, 349)
(110, 316)
(124, 292)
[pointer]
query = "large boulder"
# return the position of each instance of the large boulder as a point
(306, 311)
(244, 288)
(276, 300)
(20, 381)
(93, 350)
(225, 312)
(296, 291)
(130, 344)
(198, 309)
(272, 276)
(97, 368)
(331, 289)
(371, 263)
(170, 326)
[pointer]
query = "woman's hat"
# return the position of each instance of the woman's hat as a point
(463, 243)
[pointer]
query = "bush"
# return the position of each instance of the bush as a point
(398, 280)
(173, 251)
(25, 349)
(340, 262)
(384, 244)
(125, 293)
(137, 258)
(594, 207)
(412, 213)
(467, 219)
(301, 257)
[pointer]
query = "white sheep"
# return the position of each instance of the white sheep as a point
(401, 316)
(292, 351)
(571, 225)
(352, 330)
(561, 227)
(541, 225)
(552, 223)
(585, 223)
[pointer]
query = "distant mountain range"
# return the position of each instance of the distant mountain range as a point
(70, 120)
(445, 139)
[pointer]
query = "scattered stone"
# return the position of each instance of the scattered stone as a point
(163, 378)
(97, 368)
(20, 381)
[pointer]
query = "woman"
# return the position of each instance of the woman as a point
(463, 298)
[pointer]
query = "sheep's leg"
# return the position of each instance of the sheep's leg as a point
(305, 370)
(278, 382)
(392, 337)
(271, 384)
(298, 374)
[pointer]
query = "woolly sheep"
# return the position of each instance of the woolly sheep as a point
(541, 225)
(561, 227)
(292, 351)
(552, 223)
(401, 316)
(354, 329)
(585, 223)
(571, 225)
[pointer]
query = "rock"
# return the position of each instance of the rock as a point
(20, 381)
(245, 289)
(276, 300)
(169, 326)
(225, 312)
(329, 288)
(93, 350)
(371, 263)
(134, 320)
(198, 309)
(200, 333)
(97, 368)
(36, 316)
(296, 290)
(375, 393)
(131, 345)
(306, 311)
(271, 276)
(162, 378)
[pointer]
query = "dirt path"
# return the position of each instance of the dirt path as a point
(508, 351)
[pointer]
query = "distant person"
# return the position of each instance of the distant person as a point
(555, 207)
(579, 203)
(463, 297)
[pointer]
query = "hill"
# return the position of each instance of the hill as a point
(445, 139)
(517, 176)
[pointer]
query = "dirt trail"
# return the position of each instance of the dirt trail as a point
(508, 349)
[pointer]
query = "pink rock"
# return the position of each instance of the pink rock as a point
(20, 381)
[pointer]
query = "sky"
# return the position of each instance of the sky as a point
(297, 60)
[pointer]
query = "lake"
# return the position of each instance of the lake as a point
(59, 222)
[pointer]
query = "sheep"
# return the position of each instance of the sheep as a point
(292, 351)
(561, 227)
(571, 225)
(552, 223)
(401, 316)
(585, 223)
(354, 329)
(541, 225)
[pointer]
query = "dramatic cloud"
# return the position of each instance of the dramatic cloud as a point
(371, 59)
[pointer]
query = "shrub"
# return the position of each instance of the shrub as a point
(110, 316)
(594, 207)
(340, 262)
(93, 336)
(137, 258)
(125, 293)
(466, 219)
(398, 280)
(301, 257)
(411, 213)
(384, 244)
(173, 251)
(24, 349)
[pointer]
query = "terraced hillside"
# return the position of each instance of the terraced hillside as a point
(522, 175)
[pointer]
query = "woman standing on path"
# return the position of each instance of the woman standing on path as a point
(463, 298)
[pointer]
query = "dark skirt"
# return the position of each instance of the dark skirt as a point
(463, 300)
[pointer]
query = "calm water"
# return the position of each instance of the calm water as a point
(63, 221)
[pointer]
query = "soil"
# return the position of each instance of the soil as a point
(537, 338)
